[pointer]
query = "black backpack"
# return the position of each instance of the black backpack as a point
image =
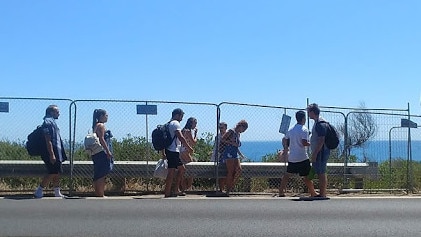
(161, 137)
(332, 136)
(36, 145)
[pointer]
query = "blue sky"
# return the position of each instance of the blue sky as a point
(337, 53)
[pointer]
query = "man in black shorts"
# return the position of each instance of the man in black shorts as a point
(55, 153)
(295, 142)
(172, 154)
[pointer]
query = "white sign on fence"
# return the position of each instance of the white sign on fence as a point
(286, 120)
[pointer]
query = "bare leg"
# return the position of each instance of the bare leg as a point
(168, 182)
(221, 182)
(180, 176)
(56, 180)
(322, 184)
(230, 174)
(237, 172)
(99, 186)
(283, 184)
(310, 186)
(189, 183)
(46, 180)
(183, 185)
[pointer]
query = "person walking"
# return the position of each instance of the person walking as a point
(103, 161)
(56, 154)
(319, 152)
(295, 142)
(190, 134)
(172, 154)
(231, 143)
(218, 148)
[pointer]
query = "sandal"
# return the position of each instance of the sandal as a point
(171, 195)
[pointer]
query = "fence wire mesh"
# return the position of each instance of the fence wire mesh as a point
(375, 136)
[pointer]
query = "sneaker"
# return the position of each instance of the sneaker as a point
(38, 193)
(57, 193)
(278, 195)
(180, 194)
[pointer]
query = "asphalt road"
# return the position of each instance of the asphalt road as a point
(201, 216)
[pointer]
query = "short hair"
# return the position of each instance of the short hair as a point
(223, 124)
(300, 115)
(243, 123)
(50, 109)
(177, 111)
(313, 108)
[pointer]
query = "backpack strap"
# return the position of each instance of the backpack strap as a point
(173, 138)
(327, 124)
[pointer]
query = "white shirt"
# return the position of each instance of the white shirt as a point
(176, 144)
(297, 151)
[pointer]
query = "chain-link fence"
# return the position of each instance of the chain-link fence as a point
(377, 152)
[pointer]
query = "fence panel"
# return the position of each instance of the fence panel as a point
(399, 168)
(260, 143)
(132, 137)
(23, 116)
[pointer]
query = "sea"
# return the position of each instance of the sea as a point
(377, 151)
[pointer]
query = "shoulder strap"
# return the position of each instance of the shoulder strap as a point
(167, 125)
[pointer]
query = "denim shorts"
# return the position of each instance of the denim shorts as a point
(321, 161)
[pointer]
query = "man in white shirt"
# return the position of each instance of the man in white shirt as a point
(295, 142)
(172, 154)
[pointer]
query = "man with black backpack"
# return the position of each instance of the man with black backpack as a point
(172, 154)
(319, 151)
(54, 154)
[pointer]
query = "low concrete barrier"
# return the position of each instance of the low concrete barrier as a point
(144, 169)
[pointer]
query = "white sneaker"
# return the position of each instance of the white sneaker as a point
(57, 193)
(38, 193)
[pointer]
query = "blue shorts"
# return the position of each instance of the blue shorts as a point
(321, 161)
(173, 159)
(102, 165)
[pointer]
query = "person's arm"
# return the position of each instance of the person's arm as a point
(50, 148)
(285, 143)
(100, 132)
(305, 142)
(241, 155)
(183, 140)
(319, 143)
(194, 138)
(189, 136)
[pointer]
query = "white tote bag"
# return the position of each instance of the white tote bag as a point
(161, 169)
